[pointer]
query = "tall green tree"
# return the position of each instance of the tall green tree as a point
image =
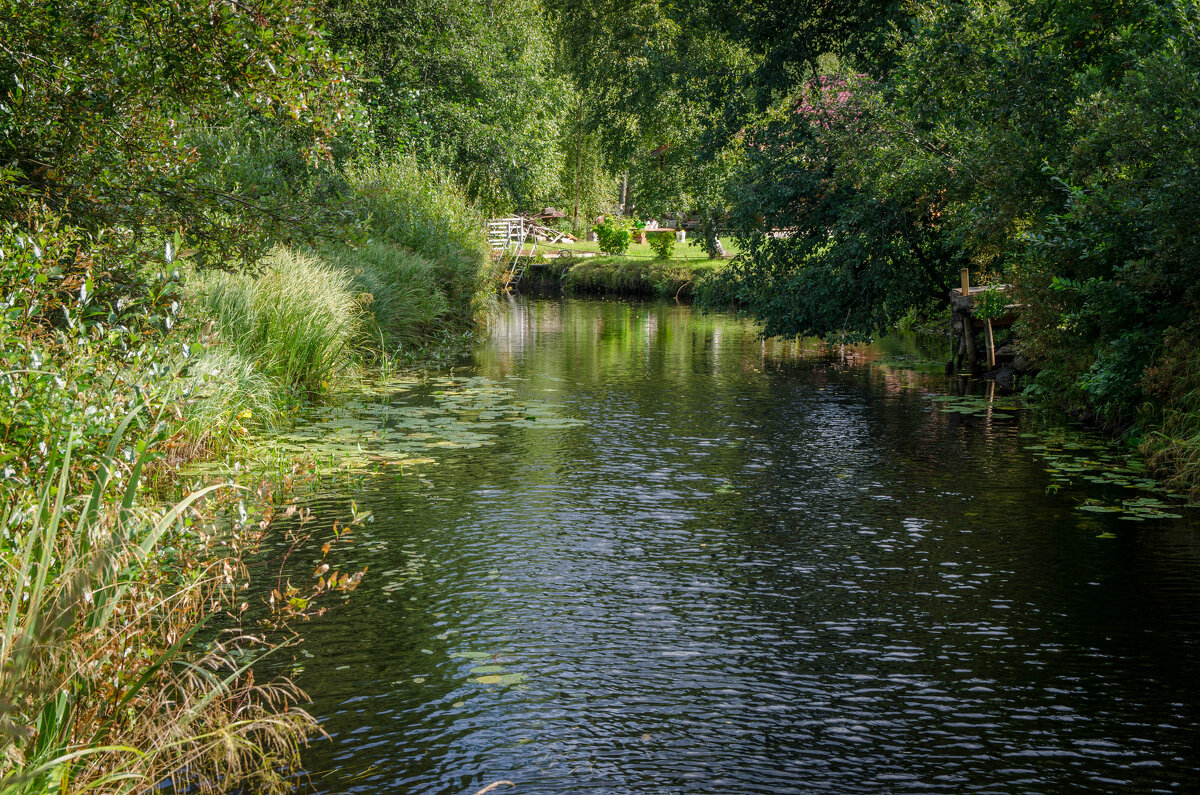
(647, 77)
(466, 84)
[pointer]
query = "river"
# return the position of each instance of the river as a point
(647, 552)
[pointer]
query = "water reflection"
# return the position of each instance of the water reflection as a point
(759, 566)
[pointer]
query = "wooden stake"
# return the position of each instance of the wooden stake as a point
(991, 341)
(969, 338)
(966, 281)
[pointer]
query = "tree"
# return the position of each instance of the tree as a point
(102, 104)
(467, 84)
(825, 254)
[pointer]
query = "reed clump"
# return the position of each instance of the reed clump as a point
(295, 319)
(405, 300)
(104, 685)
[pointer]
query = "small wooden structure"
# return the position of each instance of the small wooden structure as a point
(507, 237)
(965, 324)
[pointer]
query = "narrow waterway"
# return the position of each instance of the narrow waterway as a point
(651, 553)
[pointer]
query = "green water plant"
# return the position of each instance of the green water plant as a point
(423, 210)
(407, 297)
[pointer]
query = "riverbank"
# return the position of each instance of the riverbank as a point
(118, 371)
(623, 276)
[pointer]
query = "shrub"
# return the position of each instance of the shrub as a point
(295, 320)
(663, 243)
(613, 237)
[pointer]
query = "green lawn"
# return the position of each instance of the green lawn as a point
(642, 250)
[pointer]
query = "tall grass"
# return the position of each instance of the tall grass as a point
(296, 320)
(425, 211)
(100, 688)
(225, 398)
(407, 300)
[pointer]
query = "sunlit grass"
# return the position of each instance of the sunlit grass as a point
(407, 301)
(425, 211)
(683, 251)
(634, 276)
(296, 320)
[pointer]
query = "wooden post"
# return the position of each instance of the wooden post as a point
(991, 342)
(969, 338)
(966, 281)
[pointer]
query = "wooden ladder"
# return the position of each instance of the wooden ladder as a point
(508, 235)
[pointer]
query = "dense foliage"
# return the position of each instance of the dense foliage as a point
(1048, 145)
(466, 84)
(102, 104)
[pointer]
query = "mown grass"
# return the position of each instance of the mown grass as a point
(682, 251)
(633, 276)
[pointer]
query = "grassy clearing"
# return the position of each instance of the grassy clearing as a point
(683, 251)
(634, 276)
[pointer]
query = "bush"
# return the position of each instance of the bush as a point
(613, 238)
(663, 243)
(295, 320)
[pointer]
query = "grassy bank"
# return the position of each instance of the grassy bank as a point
(674, 278)
(116, 364)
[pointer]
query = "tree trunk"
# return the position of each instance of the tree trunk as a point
(578, 169)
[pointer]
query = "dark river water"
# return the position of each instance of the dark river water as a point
(655, 554)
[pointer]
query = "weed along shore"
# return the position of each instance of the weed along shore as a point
(132, 626)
